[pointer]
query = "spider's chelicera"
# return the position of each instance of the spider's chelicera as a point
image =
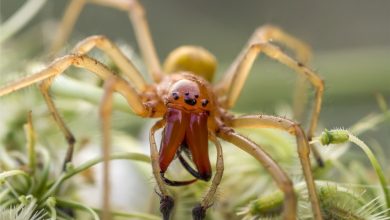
(193, 109)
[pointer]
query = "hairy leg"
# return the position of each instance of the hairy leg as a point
(258, 121)
(302, 53)
(105, 114)
(280, 177)
(108, 47)
(166, 202)
(65, 28)
(245, 64)
(137, 17)
(268, 33)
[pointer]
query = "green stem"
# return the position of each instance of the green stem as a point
(30, 136)
(3, 194)
(375, 164)
(132, 215)
(53, 213)
(45, 171)
(5, 160)
(76, 205)
(72, 172)
(12, 189)
(11, 173)
(71, 88)
(51, 204)
(20, 18)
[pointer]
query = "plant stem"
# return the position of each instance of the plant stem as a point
(20, 18)
(77, 205)
(132, 215)
(64, 176)
(53, 213)
(11, 173)
(30, 136)
(45, 172)
(375, 164)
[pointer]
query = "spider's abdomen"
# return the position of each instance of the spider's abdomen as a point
(196, 60)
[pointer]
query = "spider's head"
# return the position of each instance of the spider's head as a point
(189, 95)
(196, 60)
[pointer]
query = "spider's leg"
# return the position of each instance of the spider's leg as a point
(243, 67)
(58, 67)
(269, 33)
(125, 65)
(280, 177)
(44, 87)
(105, 113)
(302, 53)
(166, 202)
(66, 26)
(257, 121)
(199, 212)
(245, 64)
(138, 19)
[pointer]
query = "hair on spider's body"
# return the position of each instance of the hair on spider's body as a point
(192, 109)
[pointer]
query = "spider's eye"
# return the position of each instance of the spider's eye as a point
(175, 96)
(205, 102)
(196, 96)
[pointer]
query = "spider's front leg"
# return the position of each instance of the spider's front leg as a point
(259, 121)
(166, 202)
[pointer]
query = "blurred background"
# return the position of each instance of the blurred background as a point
(350, 43)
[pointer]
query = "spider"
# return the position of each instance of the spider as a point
(192, 109)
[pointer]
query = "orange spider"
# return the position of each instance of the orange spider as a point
(192, 109)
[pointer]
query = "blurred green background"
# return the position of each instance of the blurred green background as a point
(350, 41)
